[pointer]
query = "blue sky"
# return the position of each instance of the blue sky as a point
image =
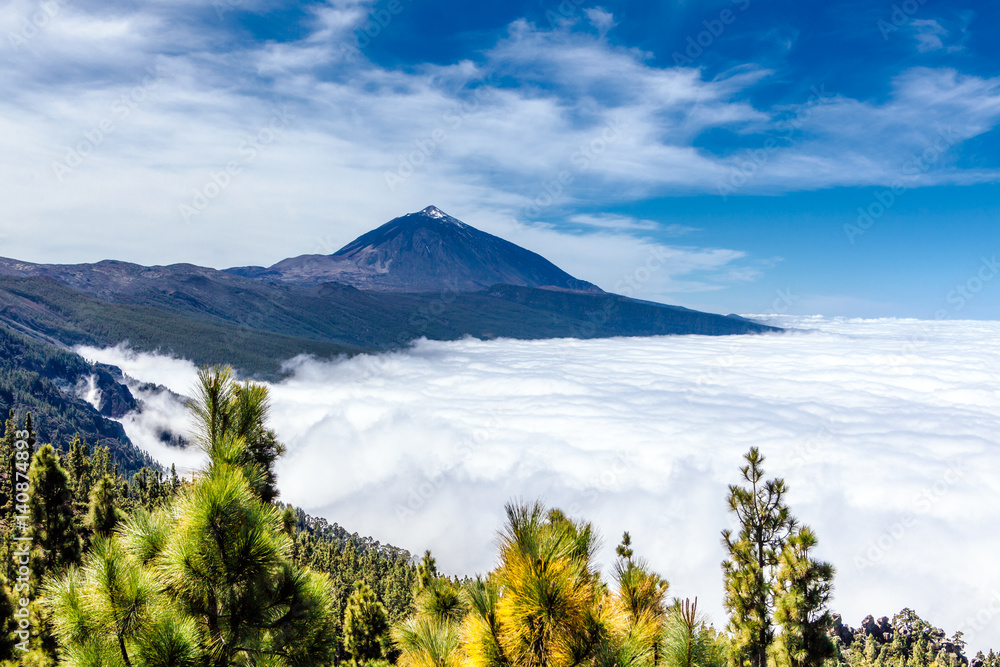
(739, 156)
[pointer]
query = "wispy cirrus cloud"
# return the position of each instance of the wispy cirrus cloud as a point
(928, 33)
(627, 223)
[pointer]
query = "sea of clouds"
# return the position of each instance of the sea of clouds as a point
(887, 432)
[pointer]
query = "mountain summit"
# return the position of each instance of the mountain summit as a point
(379, 292)
(427, 251)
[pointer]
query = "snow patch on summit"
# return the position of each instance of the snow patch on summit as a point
(434, 212)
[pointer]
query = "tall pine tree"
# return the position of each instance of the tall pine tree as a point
(366, 626)
(50, 509)
(753, 552)
(103, 513)
(206, 578)
(225, 407)
(688, 641)
(803, 589)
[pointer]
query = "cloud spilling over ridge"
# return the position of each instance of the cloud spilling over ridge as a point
(886, 431)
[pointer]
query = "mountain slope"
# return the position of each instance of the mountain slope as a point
(425, 274)
(52, 384)
(423, 252)
(52, 312)
(256, 326)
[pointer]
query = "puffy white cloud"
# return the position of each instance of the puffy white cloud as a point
(886, 431)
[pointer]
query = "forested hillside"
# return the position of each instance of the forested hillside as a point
(44, 380)
(75, 509)
(49, 310)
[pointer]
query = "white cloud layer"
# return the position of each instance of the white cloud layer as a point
(886, 430)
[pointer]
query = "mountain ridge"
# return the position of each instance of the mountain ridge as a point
(431, 267)
(424, 251)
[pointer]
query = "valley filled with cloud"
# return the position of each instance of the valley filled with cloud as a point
(885, 430)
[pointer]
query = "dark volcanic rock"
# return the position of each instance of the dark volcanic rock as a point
(909, 629)
(116, 399)
(423, 252)
(843, 632)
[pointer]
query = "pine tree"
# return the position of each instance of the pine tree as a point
(544, 605)
(641, 599)
(366, 625)
(288, 521)
(424, 642)
(688, 641)
(7, 468)
(921, 653)
(78, 467)
(212, 566)
(803, 589)
(103, 513)
(7, 624)
(482, 627)
(112, 612)
(549, 595)
(749, 571)
(227, 408)
(427, 570)
(8, 492)
(441, 601)
(30, 430)
(624, 550)
(225, 560)
(100, 463)
(50, 510)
